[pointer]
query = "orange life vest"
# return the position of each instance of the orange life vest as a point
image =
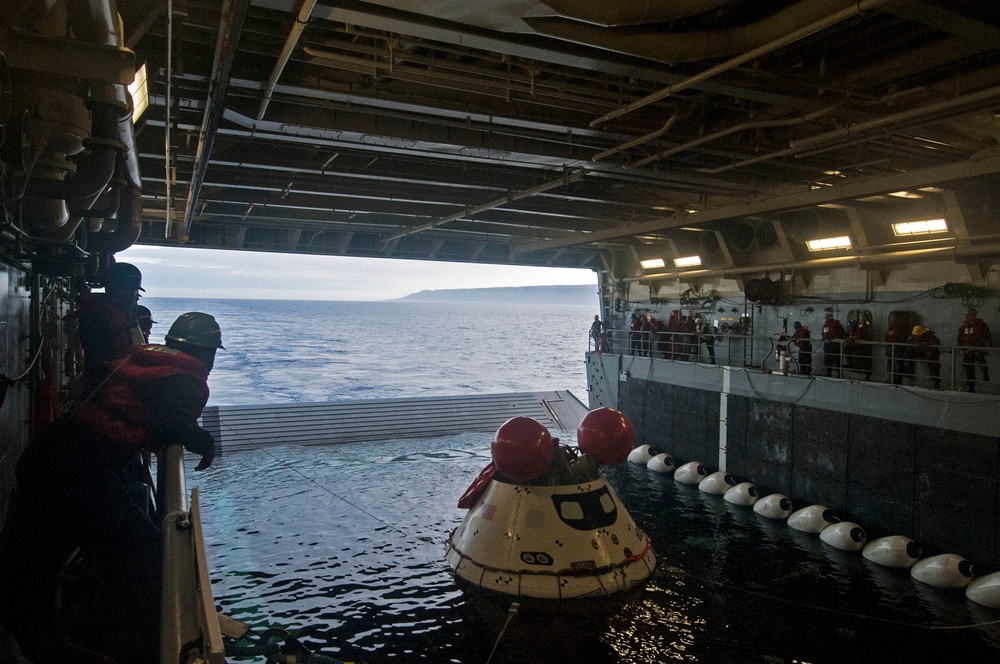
(118, 413)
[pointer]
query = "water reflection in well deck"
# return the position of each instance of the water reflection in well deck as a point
(344, 546)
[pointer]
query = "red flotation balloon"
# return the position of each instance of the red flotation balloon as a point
(522, 448)
(606, 435)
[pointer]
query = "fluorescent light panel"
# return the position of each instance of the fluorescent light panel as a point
(687, 261)
(921, 227)
(139, 90)
(652, 263)
(829, 243)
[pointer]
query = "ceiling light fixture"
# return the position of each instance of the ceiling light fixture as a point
(829, 243)
(652, 263)
(687, 261)
(139, 89)
(924, 227)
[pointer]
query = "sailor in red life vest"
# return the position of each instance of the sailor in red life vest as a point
(925, 346)
(146, 322)
(832, 335)
(802, 340)
(858, 349)
(154, 396)
(974, 332)
(895, 360)
(646, 330)
(659, 337)
(81, 486)
(108, 324)
(634, 335)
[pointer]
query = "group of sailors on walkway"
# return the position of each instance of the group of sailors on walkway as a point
(680, 338)
(849, 348)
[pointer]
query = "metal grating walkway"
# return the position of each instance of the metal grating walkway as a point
(331, 422)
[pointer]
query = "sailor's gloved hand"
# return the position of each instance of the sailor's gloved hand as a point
(201, 443)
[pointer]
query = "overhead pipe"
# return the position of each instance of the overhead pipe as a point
(612, 13)
(301, 20)
(465, 80)
(672, 47)
(920, 114)
(858, 132)
(759, 124)
(102, 25)
(628, 145)
(104, 206)
(128, 229)
(168, 122)
(111, 145)
(853, 10)
(510, 198)
(94, 167)
(230, 26)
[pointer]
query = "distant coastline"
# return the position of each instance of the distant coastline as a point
(512, 295)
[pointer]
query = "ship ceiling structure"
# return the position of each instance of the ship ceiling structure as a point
(573, 133)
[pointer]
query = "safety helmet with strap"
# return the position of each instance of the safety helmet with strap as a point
(197, 329)
(122, 277)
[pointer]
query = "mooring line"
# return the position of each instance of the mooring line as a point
(425, 540)
(511, 612)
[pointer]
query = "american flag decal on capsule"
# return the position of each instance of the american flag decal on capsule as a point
(487, 511)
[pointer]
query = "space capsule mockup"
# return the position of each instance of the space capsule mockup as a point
(544, 522)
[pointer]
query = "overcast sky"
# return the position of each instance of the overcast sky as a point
(208, 273)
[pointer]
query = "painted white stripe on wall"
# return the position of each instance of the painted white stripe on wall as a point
(723, 417)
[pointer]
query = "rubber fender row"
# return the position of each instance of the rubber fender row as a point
(947, 570)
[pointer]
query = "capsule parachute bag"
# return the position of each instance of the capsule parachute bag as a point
(477, 487)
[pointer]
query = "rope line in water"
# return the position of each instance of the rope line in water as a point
(324, 488)
(851, 614)
(511, 612)
(264, 646)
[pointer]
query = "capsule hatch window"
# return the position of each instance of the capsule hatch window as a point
(586, 511)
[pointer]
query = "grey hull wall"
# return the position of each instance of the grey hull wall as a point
(907, 461)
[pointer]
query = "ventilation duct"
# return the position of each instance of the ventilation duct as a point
(741, 236)
(764, 234)
(763, 291)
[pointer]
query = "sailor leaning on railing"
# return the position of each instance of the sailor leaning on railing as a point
(81, 487)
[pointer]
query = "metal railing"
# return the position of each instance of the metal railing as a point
(189, 624)
(958, 368)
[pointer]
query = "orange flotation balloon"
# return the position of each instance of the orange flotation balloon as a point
(606, 435)
(522, 448)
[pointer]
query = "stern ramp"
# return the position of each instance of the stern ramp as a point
(333, 422)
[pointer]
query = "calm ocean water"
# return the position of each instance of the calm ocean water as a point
(281, 351)
(344, 545)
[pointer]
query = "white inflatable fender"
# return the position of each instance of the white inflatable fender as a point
(692, 472)
(893, 551)
(774, 506)
(812, 519)
(948, 570)
(717, 483)
(661, 463)
(641, 454)
(744, 493)
(985, 590)
(844, 535)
